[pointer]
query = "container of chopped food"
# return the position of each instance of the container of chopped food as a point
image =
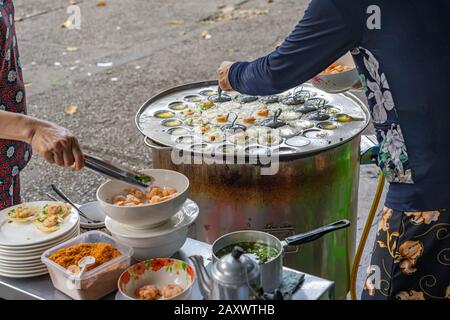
(94, 280)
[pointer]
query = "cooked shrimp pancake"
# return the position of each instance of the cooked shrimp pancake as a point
(23, 214)
(60, 209)
(48, 223)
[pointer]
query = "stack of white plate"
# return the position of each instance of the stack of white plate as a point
(22, 244)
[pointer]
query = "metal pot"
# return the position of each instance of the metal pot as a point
(310, 189)
(271, 271)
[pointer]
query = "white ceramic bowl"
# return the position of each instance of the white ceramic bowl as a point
(161, 241)
(148, 215)
(338, 82)
(159, 272)
(162, 246)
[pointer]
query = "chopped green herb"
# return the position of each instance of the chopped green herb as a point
(143, 178)
(261, 252)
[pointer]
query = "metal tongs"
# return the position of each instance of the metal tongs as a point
(111, 171)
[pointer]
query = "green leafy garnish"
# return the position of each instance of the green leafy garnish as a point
(143, 178)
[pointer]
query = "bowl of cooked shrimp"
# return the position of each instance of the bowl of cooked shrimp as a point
(340, 76)
(157, 279)
(143, 208)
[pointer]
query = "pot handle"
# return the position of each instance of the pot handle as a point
(316, 233)
(149, 143)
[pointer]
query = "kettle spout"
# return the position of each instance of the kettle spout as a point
(204, 279)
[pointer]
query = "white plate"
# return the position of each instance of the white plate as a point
(16, 266)
(28, 269)
(94, 211)
(75, 230)
(33, 251)
(18, 275)
(26, 234)
(181, 219)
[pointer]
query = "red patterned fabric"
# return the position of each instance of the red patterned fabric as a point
(14, 155)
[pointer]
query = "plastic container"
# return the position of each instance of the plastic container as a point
(93, 284)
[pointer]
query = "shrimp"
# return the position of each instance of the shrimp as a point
(222, 118)
(167, 191)
(263, 112)
(171, 290)
(61, 209)
(205, 128)
(117, 199)
(132, 198)
(155, 199)
(54, 208)
(135, 192)
(148, 292)
(188, 112)
(155, 191)
(21, 213)
(249, 120)
(50, 221)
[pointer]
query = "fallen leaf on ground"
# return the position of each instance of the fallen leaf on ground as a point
(66, 24)
(70, 109)
(181, 33)
(71, 49)
(100, 4)
(177, 21)
(205, 35)
(17, 19)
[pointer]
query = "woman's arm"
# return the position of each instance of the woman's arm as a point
(327, 31)
(54, 143)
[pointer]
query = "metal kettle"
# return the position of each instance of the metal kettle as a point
(234, 277)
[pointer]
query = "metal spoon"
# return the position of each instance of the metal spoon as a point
(65, 198)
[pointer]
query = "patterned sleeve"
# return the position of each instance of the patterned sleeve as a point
(327, 31)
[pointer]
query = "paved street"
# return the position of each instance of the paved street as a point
(149, 45)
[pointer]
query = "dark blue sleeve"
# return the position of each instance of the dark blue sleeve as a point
(327, 31)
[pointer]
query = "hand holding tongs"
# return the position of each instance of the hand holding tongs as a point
(131, 177)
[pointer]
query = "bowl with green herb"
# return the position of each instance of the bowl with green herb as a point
(143, 208)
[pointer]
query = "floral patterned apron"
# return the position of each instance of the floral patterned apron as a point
(411, 257)
(14, 155)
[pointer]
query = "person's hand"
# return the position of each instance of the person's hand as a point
(56, 145)
(222, 74)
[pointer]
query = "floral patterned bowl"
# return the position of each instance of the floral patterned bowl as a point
(159, 272)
